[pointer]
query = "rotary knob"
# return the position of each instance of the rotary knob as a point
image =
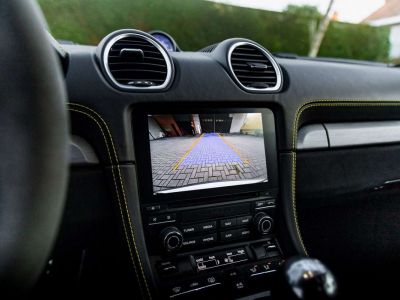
(171, 238)
(263, 223)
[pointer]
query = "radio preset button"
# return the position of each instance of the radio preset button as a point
(228, 223)
(243, 220)
(229, 235)
(243, 233)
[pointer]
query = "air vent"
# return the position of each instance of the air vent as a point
(135, 61)
(254, 68)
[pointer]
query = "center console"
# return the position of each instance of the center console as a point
(208, 193)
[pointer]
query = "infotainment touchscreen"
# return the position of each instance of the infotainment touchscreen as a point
(203, 151)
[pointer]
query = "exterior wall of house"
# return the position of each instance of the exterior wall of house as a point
(395, 41)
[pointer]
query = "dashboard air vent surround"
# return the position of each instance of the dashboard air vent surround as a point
(135, 61)
(209, 49)
(254, 68)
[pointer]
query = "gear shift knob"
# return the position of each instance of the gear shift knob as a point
(310, 279)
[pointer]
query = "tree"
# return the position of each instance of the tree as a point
(322, 28)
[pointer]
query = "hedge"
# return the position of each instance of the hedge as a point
(198, 23)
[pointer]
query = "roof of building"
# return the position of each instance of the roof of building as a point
(389, 10)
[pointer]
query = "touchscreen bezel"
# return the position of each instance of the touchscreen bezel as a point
(143, 156)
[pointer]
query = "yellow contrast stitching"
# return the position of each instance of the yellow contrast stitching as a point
(300, 110)
(123, 191)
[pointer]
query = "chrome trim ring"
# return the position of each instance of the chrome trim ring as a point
(271, 59)
(164, 53)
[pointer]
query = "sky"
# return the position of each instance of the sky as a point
(353, 11)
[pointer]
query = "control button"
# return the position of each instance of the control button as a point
(254, 269)
(165, 268)
(211, 280)
(194, 284)
(154, 220)
(170, 217)
(239, 285)
(190, 242)
(260, 204)
(176, 290)
(189, 229)
(273, 253)
(270, 245)
(152, 208)
(231, 274)
(229, 235)
(259, 252)
(208, 239)
(228, 223)
(208, 226)
(171, 238)
(243, 220)
(243, 233)
(271, 203)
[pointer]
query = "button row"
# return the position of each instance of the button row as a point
(235, 234)
(220, 259)
(188, 287)
(198, 228)
(212, 238)
(162, 219)
(262, 204)
(232, 222)
(200, 240)
(240, 279)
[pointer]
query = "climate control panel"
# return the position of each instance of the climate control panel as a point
(197, 251)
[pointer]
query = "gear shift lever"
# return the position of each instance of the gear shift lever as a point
(309, 279)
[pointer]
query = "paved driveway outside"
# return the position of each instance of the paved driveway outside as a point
(182, 161)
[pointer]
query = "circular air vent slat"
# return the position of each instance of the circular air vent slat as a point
(120, 59)
(135, 61)
(248, 60)
(254, 68)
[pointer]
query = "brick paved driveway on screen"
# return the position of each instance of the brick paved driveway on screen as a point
(182, 161)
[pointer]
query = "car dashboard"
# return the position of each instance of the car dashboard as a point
(199, 174)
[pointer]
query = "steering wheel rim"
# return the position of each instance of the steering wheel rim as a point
(34, 138)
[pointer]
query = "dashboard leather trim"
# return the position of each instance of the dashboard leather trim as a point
(322, 103)
(118, 181)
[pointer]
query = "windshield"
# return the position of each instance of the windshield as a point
(356, 29)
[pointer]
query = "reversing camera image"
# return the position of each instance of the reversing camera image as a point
(196, 151)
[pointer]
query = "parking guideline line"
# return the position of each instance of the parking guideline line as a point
(233, 148)
(187, 152)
